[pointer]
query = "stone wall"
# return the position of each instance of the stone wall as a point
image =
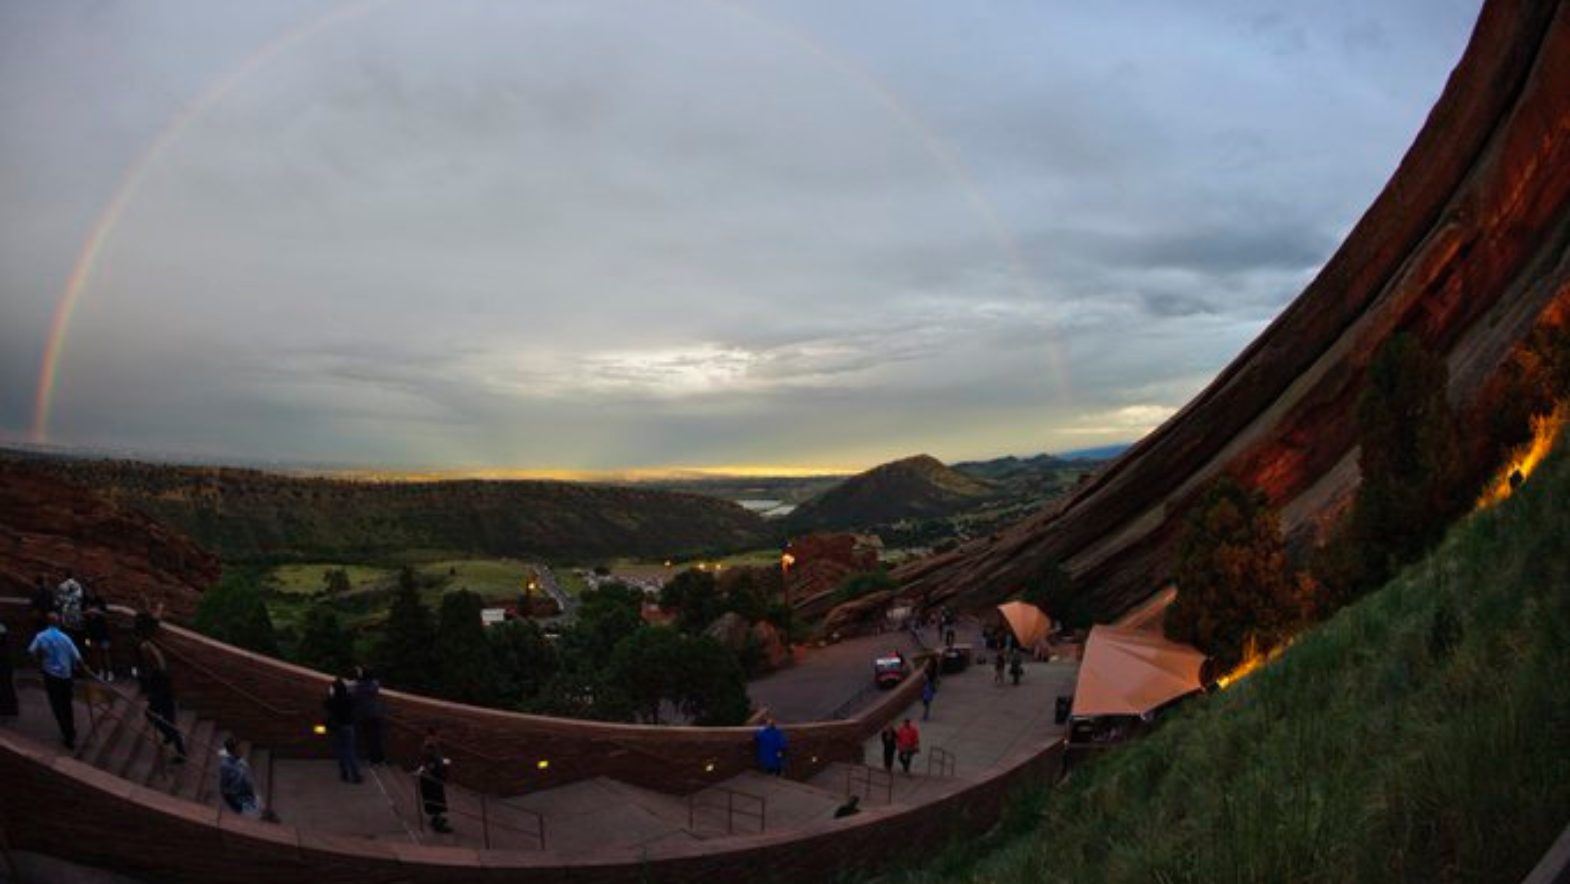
(277, 705)
(84, 815)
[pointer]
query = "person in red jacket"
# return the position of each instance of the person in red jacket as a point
(908, 740)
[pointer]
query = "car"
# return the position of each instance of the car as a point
(890, 669)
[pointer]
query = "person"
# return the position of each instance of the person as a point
(68, 601)
(770, 742)
(927, 693)
(999, 662)
(236, 785)
(8, 705)
(339, 708)
(908, 740)
(368, 715)
(432, 775)
(851, 807)
(95, 620)
(1016, 665)
(888, 747)
(152, 672)
(58, 657)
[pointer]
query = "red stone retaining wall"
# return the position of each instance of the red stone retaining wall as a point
(276, 705)
(59, 806)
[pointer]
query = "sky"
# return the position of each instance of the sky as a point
(697, 233)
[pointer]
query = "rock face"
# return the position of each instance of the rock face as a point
(820, 562)
(49, 527)
(1466, 248)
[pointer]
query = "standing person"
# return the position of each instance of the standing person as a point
(58, 657)
(433, 781)
(908, 740)
(8, 704)
(889, 741)
(152, 672)
(999, 662)
(368, 715)
(770, 742)
(95, 620)
(927, 693)
(68, 601)
(1016, 665)
(339, 707)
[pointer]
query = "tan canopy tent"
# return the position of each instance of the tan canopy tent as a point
(1029, 623)
(1132, 671)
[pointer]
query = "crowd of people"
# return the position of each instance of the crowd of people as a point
(72, 637)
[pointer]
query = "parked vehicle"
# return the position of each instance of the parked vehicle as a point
(890, 669)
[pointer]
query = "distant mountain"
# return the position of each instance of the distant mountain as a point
(248, 514)
(1105, 452)
(918, 487)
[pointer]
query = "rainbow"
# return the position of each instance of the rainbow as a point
(103, 227)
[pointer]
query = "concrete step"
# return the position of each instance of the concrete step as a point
(203, 761)
(97, 748)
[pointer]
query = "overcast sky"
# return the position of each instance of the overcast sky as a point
(601, 235)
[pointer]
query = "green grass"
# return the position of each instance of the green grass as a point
(492, 579)
(307, 578)
(1421, 735)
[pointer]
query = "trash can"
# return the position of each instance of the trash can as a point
(1065, 706)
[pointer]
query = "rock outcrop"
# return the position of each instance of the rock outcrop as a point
(49, 527)
(1466, 248)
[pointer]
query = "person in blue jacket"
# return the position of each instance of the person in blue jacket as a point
(770, 742)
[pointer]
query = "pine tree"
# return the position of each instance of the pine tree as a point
(1233, 585)
(403, 657)
(233, 612)
(324, 644)
(465, 671)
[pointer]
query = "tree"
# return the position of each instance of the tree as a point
(645, 668)
(464, 669)
(695, 596)
(711, 688)
(697, 675)
(1408, 458)
(863, 583)
(525, 660)
(324, 644)
(233, 612)
(403, 658)
(1231, 574)
(1052, 590)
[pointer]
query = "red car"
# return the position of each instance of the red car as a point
(890, 670)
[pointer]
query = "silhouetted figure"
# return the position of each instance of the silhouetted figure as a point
(339, 708)
(152, 673)
(889, 742)
(432, 774)
(58, 657)
(368, 715)
(851, 807)
(8, 705)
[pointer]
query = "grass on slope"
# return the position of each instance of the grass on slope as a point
(1421, 735)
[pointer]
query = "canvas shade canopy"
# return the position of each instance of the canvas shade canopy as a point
(1132, 671)
(1028, 622)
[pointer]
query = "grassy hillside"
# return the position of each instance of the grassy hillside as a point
(1421, 735)
(250, 515)
(915, 487)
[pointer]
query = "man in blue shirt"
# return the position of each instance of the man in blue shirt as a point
(58, 657)
(770, 742)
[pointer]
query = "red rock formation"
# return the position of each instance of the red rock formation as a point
(1465, 247)
(819, 562)
(49, 527)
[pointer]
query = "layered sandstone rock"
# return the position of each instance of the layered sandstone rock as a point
(49, 527)
(1465, 247)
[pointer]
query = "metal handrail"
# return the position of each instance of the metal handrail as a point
(209, 673)
(942, 759)
(730, 808)
(864, 775)
(484, 816)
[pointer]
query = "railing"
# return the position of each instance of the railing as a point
(758, 810)
(533, 828)
(843, 710)
(869, 778)
(279, 711)
(144, 727)
(943, 760)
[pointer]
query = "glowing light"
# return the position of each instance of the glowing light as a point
(786, 561)
(708, 768)
(1252, 660)
(319, 729)
(1524, 460)
(543, 764)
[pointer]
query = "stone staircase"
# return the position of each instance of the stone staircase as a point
(114, 735)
